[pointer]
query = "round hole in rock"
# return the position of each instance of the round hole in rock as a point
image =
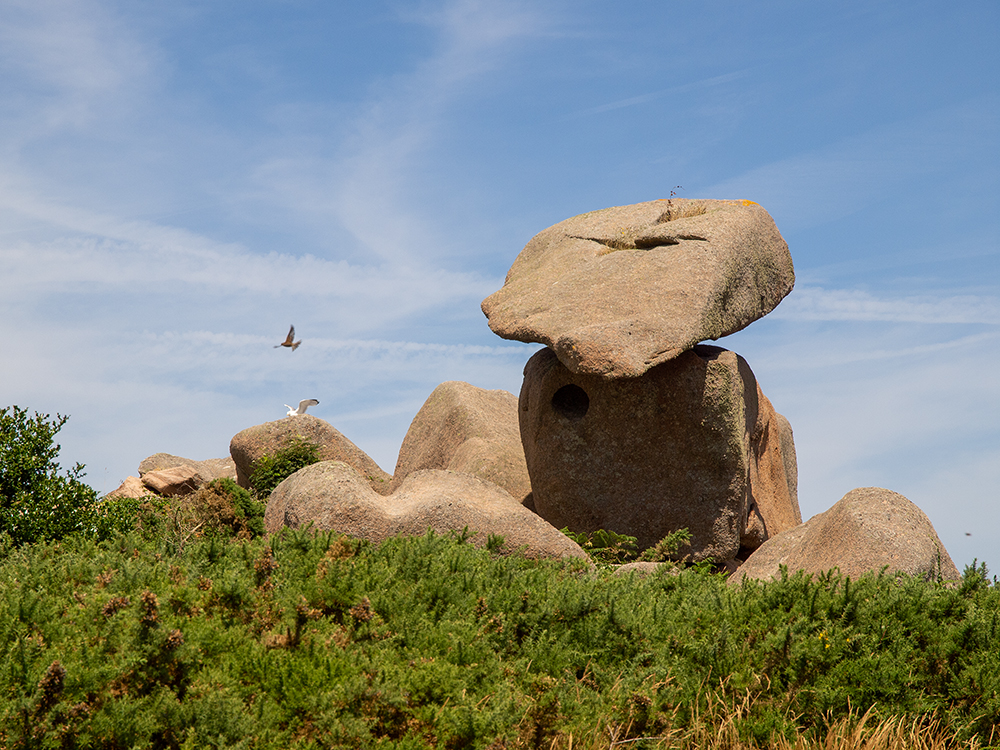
(571, 401)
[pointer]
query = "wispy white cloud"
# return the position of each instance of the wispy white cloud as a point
(815, 303)
(77, 54)
(375, 185)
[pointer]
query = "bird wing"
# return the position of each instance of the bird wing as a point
(306, 403)
(291, 335)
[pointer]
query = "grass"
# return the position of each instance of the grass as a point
(317, 641)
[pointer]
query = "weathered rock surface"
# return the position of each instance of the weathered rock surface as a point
(470, 430)
(175, 481)
(333, 496)
(250, 445)
(618, 291)
(212, 468)
(131, 487)
(691, 444)
(868, 529)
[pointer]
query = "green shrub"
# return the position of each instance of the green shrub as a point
(271, 470)
(37, 500)
(309, 640)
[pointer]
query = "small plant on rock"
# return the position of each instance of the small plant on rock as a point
(272, 470)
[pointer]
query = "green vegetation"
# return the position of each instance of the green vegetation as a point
(38, 501)
(321, 641)
(176, 624)
(611, 548)
(272, 470)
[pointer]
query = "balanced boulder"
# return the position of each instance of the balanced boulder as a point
(691, 444)
(332, 496)
(467, 429)
(252, 444)
(618, 291)
(869, 529)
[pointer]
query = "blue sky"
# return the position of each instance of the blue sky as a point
(180, 181)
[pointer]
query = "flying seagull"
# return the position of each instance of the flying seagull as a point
(303, 405)
(288, 341)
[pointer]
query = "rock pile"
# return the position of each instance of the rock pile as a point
(626, 421)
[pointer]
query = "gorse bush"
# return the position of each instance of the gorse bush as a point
(611, 548)
(38, 500)
(271, 470)
(309, 641)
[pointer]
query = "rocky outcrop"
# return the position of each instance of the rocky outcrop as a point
(869, 529)
(691, 444)
(332, 496)
(618, 291)
(250, 445)
(467, 429)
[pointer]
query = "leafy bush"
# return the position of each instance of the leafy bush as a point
(37, 501)
(272, 470)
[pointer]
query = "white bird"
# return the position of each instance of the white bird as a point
(303, 405)
(289, 341)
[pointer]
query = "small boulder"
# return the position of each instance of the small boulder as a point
(869, 529)
(131, 487)
(467, 429)
(691, 444)
(174, 482)
(212, 468)
(252, 444)
(332, 496)
(618, 291)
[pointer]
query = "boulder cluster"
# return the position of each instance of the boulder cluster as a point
(627, 420)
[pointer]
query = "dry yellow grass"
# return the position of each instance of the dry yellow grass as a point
(720, 733)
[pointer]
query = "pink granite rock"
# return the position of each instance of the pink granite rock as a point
(467, 429)
(618, 291)
(250, 445)
(332, 496)
(690, 444)
(870, 528)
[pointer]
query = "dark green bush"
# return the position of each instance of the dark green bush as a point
(271, 470)
(38, 501)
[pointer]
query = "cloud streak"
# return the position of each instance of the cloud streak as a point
(673, 90)
(816, 303)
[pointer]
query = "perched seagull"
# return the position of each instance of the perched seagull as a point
(303, 405)
(288, 341)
